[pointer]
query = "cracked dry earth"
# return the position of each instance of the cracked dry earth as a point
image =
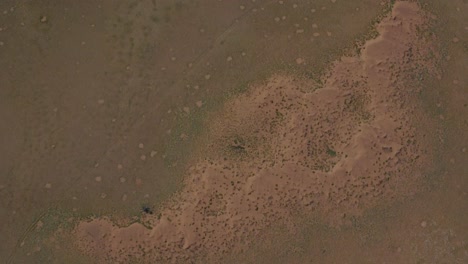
(290, 146)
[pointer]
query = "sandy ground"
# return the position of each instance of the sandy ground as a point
(131, 151)
(288, 146)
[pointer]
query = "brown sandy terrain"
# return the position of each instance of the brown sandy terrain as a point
(291, 146)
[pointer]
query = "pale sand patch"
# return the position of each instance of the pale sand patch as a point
(299, 60)
(285, 147)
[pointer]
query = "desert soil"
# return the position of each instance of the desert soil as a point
(324, 131)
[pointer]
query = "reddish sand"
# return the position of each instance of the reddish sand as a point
(288, 146)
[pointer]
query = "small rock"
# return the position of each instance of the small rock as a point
(423, 224)
(44, 19)
(98, 179)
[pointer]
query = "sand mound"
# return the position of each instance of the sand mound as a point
(286, 147)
